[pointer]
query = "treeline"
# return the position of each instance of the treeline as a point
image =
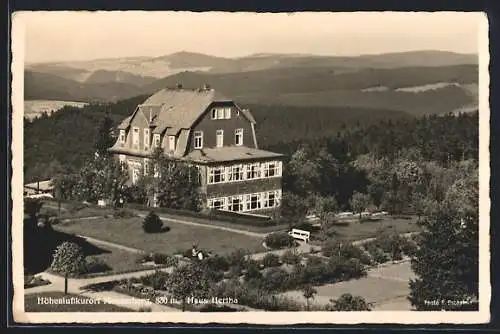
(437, 138)
(405, 166)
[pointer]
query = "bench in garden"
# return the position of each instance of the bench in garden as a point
(300, 234)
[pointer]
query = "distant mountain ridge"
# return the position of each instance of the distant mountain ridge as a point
(273, 79)
(160, 67)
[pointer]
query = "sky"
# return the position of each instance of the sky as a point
(71, 36)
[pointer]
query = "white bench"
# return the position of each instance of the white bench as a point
(300, 234)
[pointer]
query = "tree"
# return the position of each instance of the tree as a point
(447, 261)
(188, 281)
(348, 302)
(102, 177)
(308, 292)
(68, 260)
(172, 183)
(359, 202)
(324, 208)
(293, 208)
(104, 139)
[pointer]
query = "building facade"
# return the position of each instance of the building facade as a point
(204, 128)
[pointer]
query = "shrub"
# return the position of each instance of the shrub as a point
(68, 259)
(144, 309)
(348, 302)
(156, 280)
(377, 254)
(152, 223)
(160, 258)
(123, 213)
(291, 257)
(271, 260)
(279, 240)
(252, 270)
(409, 248)
(276, 279)
(347, 250)
(218, 263)
(237, 258)
(95, 265)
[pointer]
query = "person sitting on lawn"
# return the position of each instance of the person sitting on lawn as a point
(194, 251)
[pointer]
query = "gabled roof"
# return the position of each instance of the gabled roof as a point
(125, 123)
(178, 109)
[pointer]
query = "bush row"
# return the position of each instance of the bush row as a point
(158, 259)
(213, 215)
(394, 247)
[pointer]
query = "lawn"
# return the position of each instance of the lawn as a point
(180, 237)
(67, 303)
(371, 229)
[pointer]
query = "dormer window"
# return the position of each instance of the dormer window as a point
(135, 138)
(171, 143)
(122, 137)
(221, 113)
(198, 140)
(146, 139)
(156, 140)
(227, 113)
(238, 137)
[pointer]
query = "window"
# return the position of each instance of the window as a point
(156, 140)
(198, 139)
(136, 172)
(216, 203)
(219, 138)
(238, 137)
(235, 203)
(216, 175)
(122, 158)
(214, 113)
(253, 171)
(135, 138)
(269, 199)
(269, 169)
(236, 173)
(227, 113)
(146, 139)
(122, 137)
(171, 143)
(220, 113)
(253, 202)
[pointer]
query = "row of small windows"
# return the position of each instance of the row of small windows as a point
(222, 113)
(155, 143)
(240, 172)
(246, 202)
(219, 138)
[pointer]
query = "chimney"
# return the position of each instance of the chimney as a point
(179, 86)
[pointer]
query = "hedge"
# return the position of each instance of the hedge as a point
(213, 215)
